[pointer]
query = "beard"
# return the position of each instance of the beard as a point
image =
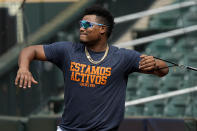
(89, 43)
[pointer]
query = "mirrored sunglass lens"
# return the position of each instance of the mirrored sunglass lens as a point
(85, 24)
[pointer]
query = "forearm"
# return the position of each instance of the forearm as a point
(25, 57)
(30, 53)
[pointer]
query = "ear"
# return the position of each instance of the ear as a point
(103, 29)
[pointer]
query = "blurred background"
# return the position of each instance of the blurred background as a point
(163, 28)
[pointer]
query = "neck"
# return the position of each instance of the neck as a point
(98, 46)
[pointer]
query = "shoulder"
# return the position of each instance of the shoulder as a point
(124, 51)
(63, 45)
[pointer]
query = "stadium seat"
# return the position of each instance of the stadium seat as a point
(162, 46)
(191, 108)
(154, 108)
(190, 79)
(190, 59)
(132, 86)
(191, 111)
(132, 80)
(148, 80)
(185, 45)
(137, 110)
(174, 111)
(131, 93)
(170, 83)
(167, 20)
(172, 56)
(147, 85)
(189, 18)
(145, 91)
(177, 106)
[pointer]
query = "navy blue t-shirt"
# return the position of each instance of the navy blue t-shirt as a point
(94, 94)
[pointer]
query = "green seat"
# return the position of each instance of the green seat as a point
(185, 45)
(172, 56)
(190, 80)
(166, 20)
(145, 91)
(147, 85)
(191, 110)
(148, 80)
(174, 110)
(162, 46)
(181, 100)
(170, 83)
(131, 86)
(131, 93)
(190, 59)
(189, 18)
(155, 108)
(137, 110)
(132, 80)
(177, 106)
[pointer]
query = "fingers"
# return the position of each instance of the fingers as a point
(142, 56)
(29, 82)
(147, 63)
(21, 81)
(24, 79)
(147, 67)
(16, 80)
(34, 81)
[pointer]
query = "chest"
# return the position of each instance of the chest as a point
(80, 70)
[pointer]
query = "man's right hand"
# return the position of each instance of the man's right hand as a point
(24, 78)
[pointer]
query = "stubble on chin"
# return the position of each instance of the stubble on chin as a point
(85, 43)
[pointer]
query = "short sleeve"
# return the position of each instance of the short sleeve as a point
(56, 52)
(131, 61)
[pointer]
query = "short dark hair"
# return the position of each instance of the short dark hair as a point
(105, 15)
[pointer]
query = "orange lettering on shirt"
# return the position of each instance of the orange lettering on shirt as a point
(88, 70)
(108, 71)
(76, 76)
(92, 78)
(77, 67)
(83, 75)
(104, 80)
(87, 80)
(72, 76)
(98, 80)
(102, 71)
(71, 66)
(82, 67)
(95, 70)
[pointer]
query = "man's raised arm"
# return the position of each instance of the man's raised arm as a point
(24, 77)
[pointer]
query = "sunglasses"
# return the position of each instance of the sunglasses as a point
(86, 24)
